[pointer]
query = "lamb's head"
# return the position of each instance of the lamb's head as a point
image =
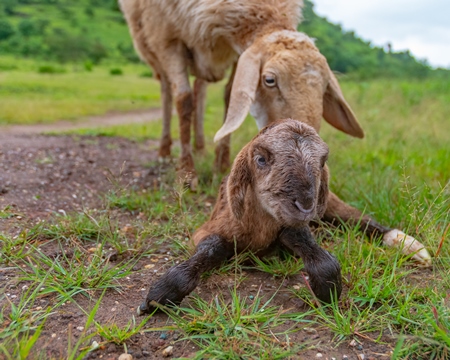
(283, 75)
(284, 167)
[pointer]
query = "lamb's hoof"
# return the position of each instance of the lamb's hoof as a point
(409, 245)
(145, 308)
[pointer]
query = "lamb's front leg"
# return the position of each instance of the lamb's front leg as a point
(183, 278)
(323, 269)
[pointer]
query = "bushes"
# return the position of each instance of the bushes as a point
(6, 29)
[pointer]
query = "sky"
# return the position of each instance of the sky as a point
(423, 27)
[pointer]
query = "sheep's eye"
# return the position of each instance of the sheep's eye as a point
(261, 160)
(270, 80)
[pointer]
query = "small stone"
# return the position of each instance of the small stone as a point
(251, 297)
(80, 328)
(94, 345)
(352, 343)
(361, 357)
(344, 357)
(113, 309)
(309, 330)
(125, 357)
(53, 335)
(149, 266)
(359, 347)
(319, 356)
(296, 287)
(163, 336)
(168, 351)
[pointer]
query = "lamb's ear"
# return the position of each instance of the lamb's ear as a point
(238, 183)
(323, 192)
(243, 92)
(337, 112)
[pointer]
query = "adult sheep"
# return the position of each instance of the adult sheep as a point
(280, 74)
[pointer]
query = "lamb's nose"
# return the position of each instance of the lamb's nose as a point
(302, 209)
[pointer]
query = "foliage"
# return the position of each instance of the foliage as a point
(95, 30)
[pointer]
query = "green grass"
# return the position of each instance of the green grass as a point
(32, 97)
(399, 174)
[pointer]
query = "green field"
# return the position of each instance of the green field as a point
(399, 173)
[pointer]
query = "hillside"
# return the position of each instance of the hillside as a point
(94, 31)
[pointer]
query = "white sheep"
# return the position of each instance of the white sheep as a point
(280, 74)
(277, 185)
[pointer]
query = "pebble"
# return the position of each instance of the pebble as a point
(309, 330)
(359, 347)
(94, 345)
(53, 335)
(352, 343)
(361, 357)
(80, 328)
(163, 336)
(125, 357)
(168, 351)
(251, 297)
(344, 357)
(319, 355)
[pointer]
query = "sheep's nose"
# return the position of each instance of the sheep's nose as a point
(302, 209)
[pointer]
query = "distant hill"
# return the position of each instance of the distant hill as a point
(347, 53)
(94, 31)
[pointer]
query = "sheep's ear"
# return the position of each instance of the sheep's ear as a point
(337, 112)
(323, 193)
(243, 92)
(238, 182)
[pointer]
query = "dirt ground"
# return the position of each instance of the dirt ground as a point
(45, 176)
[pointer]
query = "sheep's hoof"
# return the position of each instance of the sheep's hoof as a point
(409, 245)
(164, 159)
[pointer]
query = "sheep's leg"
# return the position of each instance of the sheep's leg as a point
(323, 269)
(175, 68)
(337, 210)
(166, 140)
(183, 278)
(222, 160)
(199, 100)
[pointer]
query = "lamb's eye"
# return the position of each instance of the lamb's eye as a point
(323, 160)
(269, 80)
(261, 160)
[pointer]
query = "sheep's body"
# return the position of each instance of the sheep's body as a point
(280, 74)
(214, 32)
(278, 184)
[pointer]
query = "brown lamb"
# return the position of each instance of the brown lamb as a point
(277, 185)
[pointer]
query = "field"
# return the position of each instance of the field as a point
(89, 218)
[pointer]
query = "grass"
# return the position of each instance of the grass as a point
(399, 174)
(32, 97)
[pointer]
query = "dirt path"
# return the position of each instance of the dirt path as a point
(108, 119)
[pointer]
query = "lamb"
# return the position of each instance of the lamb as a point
(277, 185)
(279, 73)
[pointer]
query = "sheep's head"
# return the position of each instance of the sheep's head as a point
(283, 75)
(284, 166)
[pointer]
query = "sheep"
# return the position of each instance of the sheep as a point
(277, 185)
(279, 73)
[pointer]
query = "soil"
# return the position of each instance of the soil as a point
(43, 176)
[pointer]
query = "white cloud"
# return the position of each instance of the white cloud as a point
(423, 27)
